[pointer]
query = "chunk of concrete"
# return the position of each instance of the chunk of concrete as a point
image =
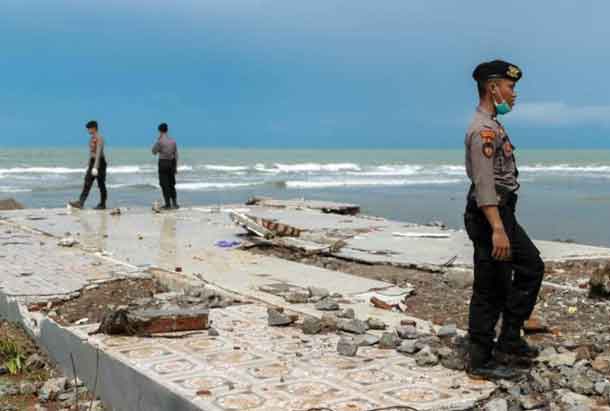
(408, 347)
(311, 325)
(348, 313)
(407, 332)
(376, 324)
(277, 318)
(352, 326)
(327, 304)
(347, 347)
(389, 341)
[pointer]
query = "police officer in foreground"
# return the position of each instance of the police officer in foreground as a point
(508, 269)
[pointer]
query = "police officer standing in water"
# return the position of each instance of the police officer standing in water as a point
(168, 166)
(96, 169)
(508, 269)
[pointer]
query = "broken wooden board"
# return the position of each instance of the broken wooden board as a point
(250, 225)
(323, 206)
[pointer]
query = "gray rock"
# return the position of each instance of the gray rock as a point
(196, 292)
(297, 297)
(367, 340)
(327, 304)
(171, 295)
(389, 341)
(408, 347)
(347, 347)
(318, 292)
(35, 362)
(426, 358)
(449, 330)
(558, 360)
(499, 404)
(352, 326)
(376, 324)
(27, 388)
(459, 279)
(444, 352)
(540, 382)
(570, 344)
(213, 332)
(311, 325)
(348, 313)
(428, 340)
(531, 402)
(67, 242)
(453, 362)
(277, 318)
(601, 387)
(572, 401)
(582, 384)
(329, 322)
(51, 389)
(407, 332)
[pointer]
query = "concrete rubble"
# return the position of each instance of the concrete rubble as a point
(280, 334)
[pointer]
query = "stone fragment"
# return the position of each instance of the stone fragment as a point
(454, 361)
(572, 401)
(311, 325)
(408, 347)
(408, 332)
(499, 404)
(277, 318)
(389, 341)
(531, 401)
(51, 389)
(582, 384)
(297, 297)
(155, 321)
(213, 332)
(318, 292)
(540, 383)
(327, 304)
(328, 322)
(583, 353)
(376, 324)
(601, 363)
(348, 313)
(448, 330)
(366, 340)
(601, 387)
(352, 326)
(428, 340)
(115, 211)
(27, 388)
(67, 242)
(444, 352)
(426, 358)
(347, 347)
(35, 362)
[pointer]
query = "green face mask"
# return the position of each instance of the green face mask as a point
(502, 108)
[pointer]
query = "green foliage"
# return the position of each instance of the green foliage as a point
(13, 358)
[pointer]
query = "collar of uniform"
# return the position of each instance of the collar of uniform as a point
(486, 113)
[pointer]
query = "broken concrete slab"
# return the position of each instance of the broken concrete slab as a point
(324, 206)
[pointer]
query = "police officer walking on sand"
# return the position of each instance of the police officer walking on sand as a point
(508, 269)
(96, 169)
(168, 166)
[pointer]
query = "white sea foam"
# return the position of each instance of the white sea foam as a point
(126, 169)
(315, 167)
(214, 167)
(567, 169)
(366, 182)
(390, 170)
(9, 189)
(211, 186)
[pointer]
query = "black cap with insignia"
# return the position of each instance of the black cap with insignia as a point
(496, 69)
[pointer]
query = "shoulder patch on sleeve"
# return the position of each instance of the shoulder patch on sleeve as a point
(488, 149)
(487, 134)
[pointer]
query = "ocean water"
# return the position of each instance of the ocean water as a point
(565, 194)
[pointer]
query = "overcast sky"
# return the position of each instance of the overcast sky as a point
(314, 73)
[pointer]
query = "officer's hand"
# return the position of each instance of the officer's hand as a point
(94, 172)
(501, 245)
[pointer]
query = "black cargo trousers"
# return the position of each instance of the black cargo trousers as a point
(167, 180)
(510, 287)
(101, 181)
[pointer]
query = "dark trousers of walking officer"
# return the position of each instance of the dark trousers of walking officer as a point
(509, 288)
(167, 180)
(101, 181)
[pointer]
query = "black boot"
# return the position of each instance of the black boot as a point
(482, 366)
(175, 205)
(510, 343)
(76, 204)
(100, 206)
